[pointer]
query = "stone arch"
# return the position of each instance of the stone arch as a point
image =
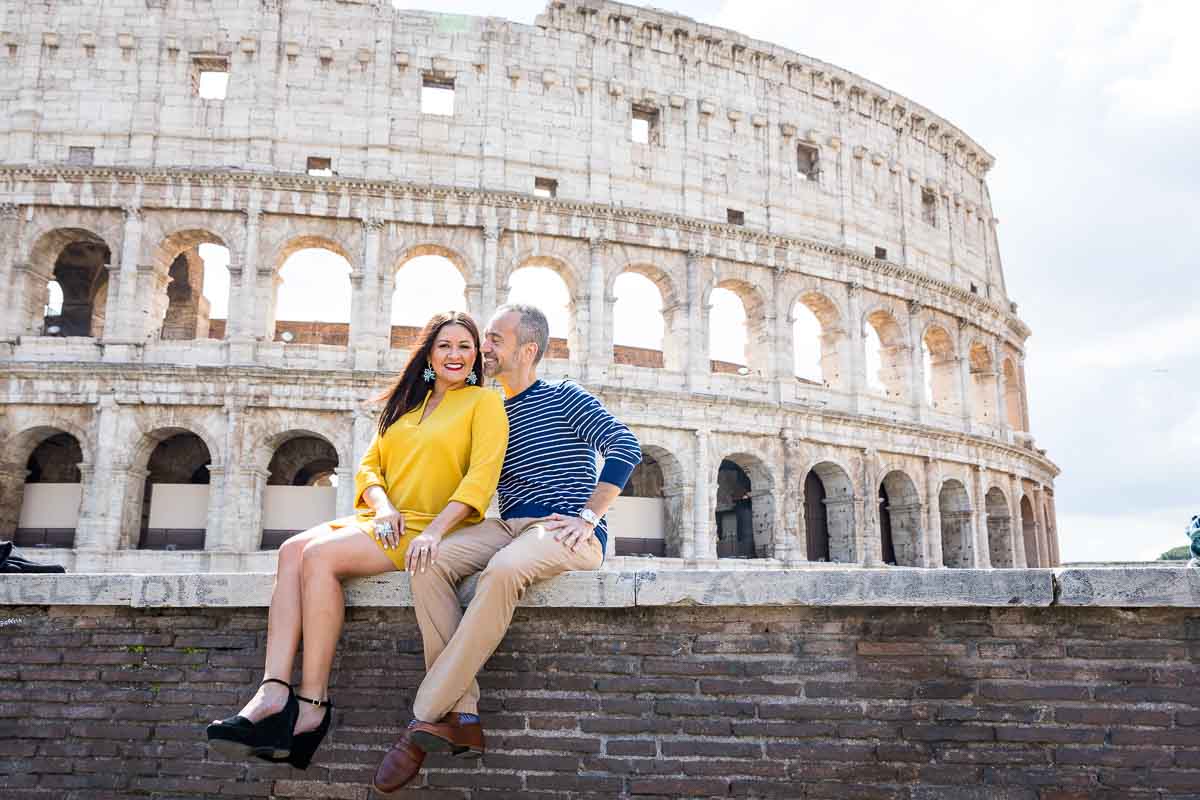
(1029, 533)
(182, 459)
(900, 519)
(403, 334)
(957, 526)
(674, 344)
(177, 308)
(942, 381)
(301, 484)
(78, 259)
(460, 261)
(306, 331)
(758, 332)
(745, 507)
(1014, 411)
(999, 527)
(832, 338)
(51, 455)
(984, 380)
(660, 476)
(576, 316)
(560, 256)
(829, 512)
(893, 350)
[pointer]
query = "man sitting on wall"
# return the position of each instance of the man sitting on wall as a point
(552, 504)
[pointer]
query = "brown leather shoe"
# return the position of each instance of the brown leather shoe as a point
(399, 766)
(449, 734)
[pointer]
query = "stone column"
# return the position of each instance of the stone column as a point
(983, 547)
(490, 269)
(10, 307)
(127, 322)
(363, 340)
(362, 431)
(1055, 555)
(1039, 516)
(1020, 559)
(782, 348)
(964, 375)
(1000, 420)
(102, 509)
(933, 531)
(704, 541)
(599, 346)
(869, 533)
(917, 369)
(1025, 424)
(215, 534)
(793, 547)
(242, 331)
(12, 490)
(240, 524)
(858, 370)
(698, 367)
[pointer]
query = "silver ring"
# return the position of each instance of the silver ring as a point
(383, 528)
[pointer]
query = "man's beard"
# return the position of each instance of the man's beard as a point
(491, 368)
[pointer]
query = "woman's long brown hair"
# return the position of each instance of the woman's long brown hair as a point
(410, 388)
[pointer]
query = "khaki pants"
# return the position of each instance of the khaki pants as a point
(512, 554)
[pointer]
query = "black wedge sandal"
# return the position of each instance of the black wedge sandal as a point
(304, 745)
(271, 736)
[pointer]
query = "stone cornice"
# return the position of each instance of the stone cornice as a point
(600, 214)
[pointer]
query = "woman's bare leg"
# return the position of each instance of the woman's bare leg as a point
(347, 553)
(283, 625)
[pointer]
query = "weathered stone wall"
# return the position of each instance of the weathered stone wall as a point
(891, 232)
(589, 697)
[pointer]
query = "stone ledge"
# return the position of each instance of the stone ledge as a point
(898, 587)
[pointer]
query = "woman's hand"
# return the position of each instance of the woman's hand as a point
(422, 551)
(386, 514)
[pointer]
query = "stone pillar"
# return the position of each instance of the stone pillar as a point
(12, 491)
(10, 306)
(869, 535)
(344, 502)
(858, 370)
(698, 367)
(599, 346)
(793, 547)
(238, 529)
(365, 300)
(216, 536)
(782, 348)
(101, 511)
(982, 558)
(1055, 554)
(1020, 559)
(704, 541)
(917, 368)
(1039, 516)
(362, 431)
(126, 322)
(964, 375)
(933, 530)
(1025, 424)
(490, 270)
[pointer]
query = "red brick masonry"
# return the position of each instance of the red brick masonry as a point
(803, 702)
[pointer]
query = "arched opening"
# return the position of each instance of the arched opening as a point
(638, 519)
(301, 488)
(49, 501)
(1029, 534)
(886, 355)
(807, 345)
(425, 285)
(727, 332)
(175, 495)
(195, 302)
(745, 508)
(957, 530)
(1013, 411)
(983, 385)
(313, 298)
(546, 289)
(900, 520)
(638, 324)
(999, 528)
(941, 371)
(73, 299)
(829, 514)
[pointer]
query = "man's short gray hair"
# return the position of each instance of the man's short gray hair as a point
(532, 326)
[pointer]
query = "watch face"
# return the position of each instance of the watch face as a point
(589, 516)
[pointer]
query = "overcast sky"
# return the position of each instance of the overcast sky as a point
(1092, 110)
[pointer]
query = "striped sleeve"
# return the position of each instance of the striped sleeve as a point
(611, 438)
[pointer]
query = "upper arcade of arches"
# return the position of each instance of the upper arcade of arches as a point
(811, 134)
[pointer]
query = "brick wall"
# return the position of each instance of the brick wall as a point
(1016, 704)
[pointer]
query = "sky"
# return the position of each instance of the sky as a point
(1092, 110)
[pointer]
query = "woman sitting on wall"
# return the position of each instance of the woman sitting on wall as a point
(432, 468)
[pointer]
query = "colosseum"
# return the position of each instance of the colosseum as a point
(603, 141)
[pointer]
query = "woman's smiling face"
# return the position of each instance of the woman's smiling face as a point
(453, 354)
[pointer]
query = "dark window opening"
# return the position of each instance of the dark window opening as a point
(808, 161)
(545, 187)
(210, 77)
(320, 167)
(735, 217)
(929, 207)
(881, 253)
(644, 126)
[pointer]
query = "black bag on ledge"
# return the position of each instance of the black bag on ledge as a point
(14, 563)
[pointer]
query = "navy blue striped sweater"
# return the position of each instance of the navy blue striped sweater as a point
(554, 433)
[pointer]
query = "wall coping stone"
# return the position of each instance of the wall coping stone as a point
(900, 587)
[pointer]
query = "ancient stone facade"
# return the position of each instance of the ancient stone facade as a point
(602, 140)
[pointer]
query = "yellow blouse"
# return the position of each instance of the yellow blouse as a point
(455, 454)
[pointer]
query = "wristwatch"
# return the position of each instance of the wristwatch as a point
(589, 517)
